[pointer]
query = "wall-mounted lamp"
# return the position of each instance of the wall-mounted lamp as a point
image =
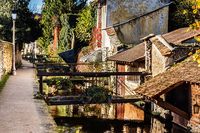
(196, 107)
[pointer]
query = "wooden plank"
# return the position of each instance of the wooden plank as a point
(90, 74)
(41, 85)
(112, 121)
(52, 66)
(172, 108)
(71, 101)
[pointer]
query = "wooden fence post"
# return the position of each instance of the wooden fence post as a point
(41, 85)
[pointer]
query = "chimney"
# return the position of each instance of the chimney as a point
(148, 49)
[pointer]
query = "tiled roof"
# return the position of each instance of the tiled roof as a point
(186, 71)
(180, 35)
(130, 55)
(164, 50)
(138, 51)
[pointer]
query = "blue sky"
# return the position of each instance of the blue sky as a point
(35, 5)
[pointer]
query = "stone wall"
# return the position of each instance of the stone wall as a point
(120, 10)
(158, 61)
(6, 57)
(195, 118)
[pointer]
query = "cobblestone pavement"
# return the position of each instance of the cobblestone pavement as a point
(19, 112)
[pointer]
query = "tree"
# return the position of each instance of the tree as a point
(58, 22)
(183, 15)
(5, 19)
(195, 25)
(27, 28)
(192, 16)
(66, 34)
(86, 22)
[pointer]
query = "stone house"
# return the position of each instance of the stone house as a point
(170, 48)
(121, 22)
(155, 55)
(176, 90)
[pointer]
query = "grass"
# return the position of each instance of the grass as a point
(3, 81)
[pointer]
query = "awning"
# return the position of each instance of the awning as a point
(95, 56)
(68, 56)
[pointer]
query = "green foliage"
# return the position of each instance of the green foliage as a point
(5, 19)
(184, 13)
(86, 21)
(3, 81)
(66, 33)
(60, 83)
(97, 93)
(60, 13)
(192, 15)
(5, 9)
(50, 10)
(27, 28)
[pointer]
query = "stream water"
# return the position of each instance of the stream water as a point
(95, 118)
(104, 118)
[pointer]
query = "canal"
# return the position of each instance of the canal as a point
(108, 118)
(96, 118)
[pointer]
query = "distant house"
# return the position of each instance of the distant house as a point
(177, 90)
(121, 22)
(155, 55)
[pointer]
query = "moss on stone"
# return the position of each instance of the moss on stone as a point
(3, 81)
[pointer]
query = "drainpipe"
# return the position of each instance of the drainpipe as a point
(148, 49)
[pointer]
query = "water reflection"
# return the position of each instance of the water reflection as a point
(89, 125)
(96, 118)
(108, 118)
(104, 111)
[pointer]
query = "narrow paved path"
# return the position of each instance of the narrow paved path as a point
(19, 112)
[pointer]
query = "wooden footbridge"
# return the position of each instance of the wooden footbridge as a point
(68, 100)
(45, 70)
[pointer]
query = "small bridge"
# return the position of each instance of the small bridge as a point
(69, 100)
(90, 78)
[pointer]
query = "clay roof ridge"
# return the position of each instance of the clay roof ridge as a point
(164, 42)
